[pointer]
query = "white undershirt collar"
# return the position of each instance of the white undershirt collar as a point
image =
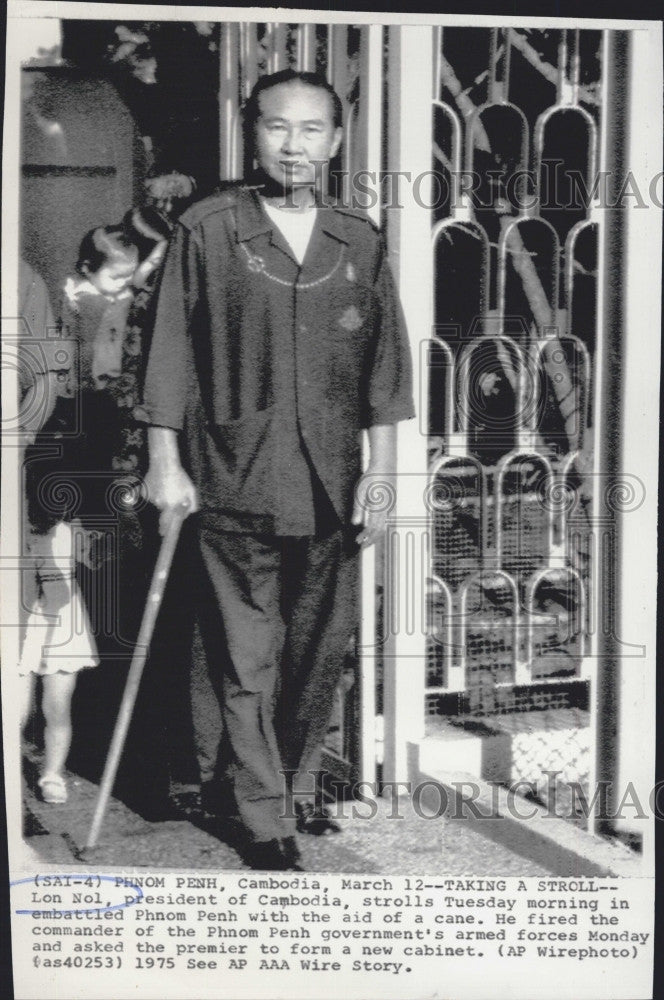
(295, 226)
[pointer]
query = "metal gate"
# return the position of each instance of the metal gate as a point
(512, 384)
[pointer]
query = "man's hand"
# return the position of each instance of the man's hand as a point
(372, 516)
(375, 493)
(166, 484)
(167, 487)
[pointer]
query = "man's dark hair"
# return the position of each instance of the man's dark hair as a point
(252, 109)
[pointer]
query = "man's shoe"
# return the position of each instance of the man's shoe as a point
(217, 799)
(315, 820)
(273, 855)
(229, 829)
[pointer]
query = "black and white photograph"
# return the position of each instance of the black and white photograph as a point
(330, 453)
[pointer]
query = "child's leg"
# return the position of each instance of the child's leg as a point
(56, 706)
(27, 689)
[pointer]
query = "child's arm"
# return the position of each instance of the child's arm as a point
(144, 271)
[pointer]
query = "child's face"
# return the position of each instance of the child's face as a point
(114, 276)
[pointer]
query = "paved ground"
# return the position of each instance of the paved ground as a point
(382, 844)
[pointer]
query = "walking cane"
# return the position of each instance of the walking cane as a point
(155, 595)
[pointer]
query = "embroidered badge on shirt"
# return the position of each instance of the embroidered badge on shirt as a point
(350, 319)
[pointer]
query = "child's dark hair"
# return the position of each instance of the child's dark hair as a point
(144, 228)
(252, 111)
(101, 245)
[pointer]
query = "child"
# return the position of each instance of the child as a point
(97, 302)
(56, 641)
(59, 640)
(105, 308)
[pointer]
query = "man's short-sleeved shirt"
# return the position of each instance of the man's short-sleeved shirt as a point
(271, 368)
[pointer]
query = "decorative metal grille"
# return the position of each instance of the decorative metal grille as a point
(515, 121)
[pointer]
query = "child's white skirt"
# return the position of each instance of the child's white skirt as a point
(58, 636)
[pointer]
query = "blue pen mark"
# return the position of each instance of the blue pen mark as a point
(80, 885)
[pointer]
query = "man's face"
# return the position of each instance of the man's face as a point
(295, 133)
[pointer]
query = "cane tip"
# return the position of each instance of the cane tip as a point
(91, 852)
(84, 854)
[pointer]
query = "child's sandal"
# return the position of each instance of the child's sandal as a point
(53, 789)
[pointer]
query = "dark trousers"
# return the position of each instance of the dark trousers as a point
(277, 626)
(160, 750)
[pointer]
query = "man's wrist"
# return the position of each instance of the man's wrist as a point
(163, 447)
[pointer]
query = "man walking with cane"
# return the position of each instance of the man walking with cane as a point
(278, 340)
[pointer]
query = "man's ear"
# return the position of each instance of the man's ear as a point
(336, 142)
